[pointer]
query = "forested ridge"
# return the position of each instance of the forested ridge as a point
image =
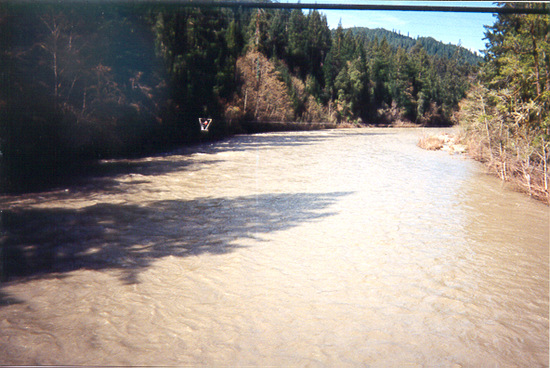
(430, 44)
(90, 81)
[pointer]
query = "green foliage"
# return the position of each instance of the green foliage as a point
(506, 113)
(517, 66)
(199, 49)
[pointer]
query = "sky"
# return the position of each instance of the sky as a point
(465, 29)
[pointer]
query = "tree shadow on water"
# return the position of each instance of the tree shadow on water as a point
(37, 242)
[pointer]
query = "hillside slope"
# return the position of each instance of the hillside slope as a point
(432, 46)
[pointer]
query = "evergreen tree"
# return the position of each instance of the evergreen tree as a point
(278, 35)
(380, 73)
(298, 43)
(318, 43)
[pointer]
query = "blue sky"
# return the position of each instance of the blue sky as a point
(464, 28)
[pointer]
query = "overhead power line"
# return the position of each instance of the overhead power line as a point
(340, 6)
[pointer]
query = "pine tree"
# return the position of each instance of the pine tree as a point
(298, 43)
(318, 43)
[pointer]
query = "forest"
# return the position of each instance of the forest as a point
(429, 44)
(91, 81)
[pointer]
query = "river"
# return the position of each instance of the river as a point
(336, 248)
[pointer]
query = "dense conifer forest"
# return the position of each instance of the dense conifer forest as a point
(91, 81)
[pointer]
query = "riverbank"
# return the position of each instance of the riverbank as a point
(525, 175)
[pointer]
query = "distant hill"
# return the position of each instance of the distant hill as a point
(432, 46)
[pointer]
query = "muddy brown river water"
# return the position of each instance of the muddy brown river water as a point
(337, 248)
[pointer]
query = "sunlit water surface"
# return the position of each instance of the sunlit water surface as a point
(327, 248)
